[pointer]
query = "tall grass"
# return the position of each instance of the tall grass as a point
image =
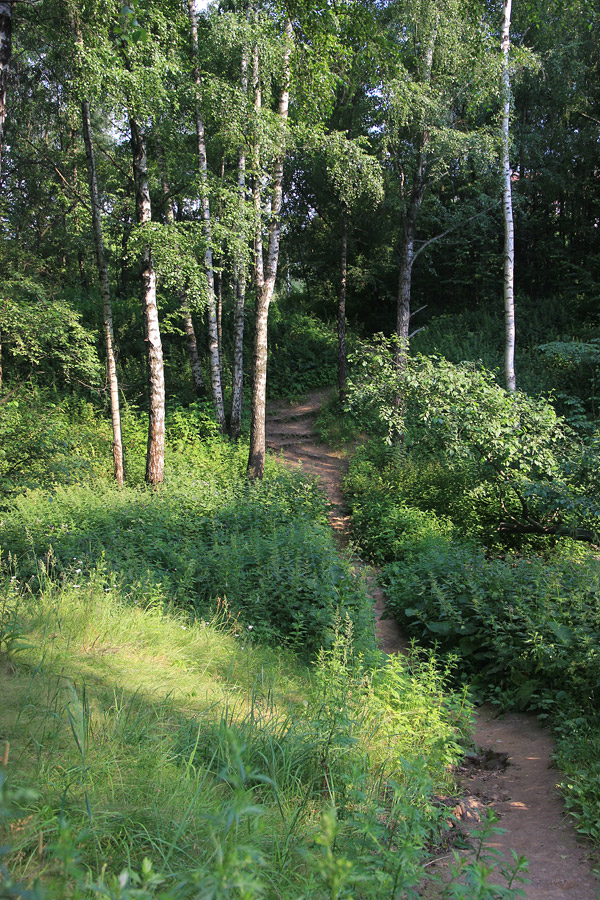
(149, 735)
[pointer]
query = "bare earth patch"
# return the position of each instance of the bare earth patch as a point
(512, 772)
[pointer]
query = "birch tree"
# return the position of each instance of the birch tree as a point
(109, 340)
(213, 332)
(265, 290)
(6, 11)
(443, 49)
(155, 454)
(184, 302)
(240, 279)
(509, 233)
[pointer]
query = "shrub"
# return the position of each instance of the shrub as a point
(526, 628)
(207, 535)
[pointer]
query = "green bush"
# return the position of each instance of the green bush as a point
(528, 629)
(46, 439)
(265, 548)
(302, 353)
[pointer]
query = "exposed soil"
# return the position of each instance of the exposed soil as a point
(512, 771)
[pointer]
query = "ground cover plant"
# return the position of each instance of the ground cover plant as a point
(167, 757)
(192, 702)
(206, 538)
(485, 519)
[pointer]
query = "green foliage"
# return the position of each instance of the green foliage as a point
(526, 627)
(208, 534)
(44, 335)
(46, 439)
(178, 766)
(333, 426)
(578, 758)
(302, 353)
(490, 459)
(384, 521)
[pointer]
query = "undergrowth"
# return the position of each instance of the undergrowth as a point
(265, 547)
(447, 516)
(152, 754)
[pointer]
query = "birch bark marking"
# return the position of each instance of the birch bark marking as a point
(256, 459)
(6, 9)
(109, 340)
(509, 231)
(259, 274)
(213, 335)
(407, 257)
(155, 456)
(235, 422)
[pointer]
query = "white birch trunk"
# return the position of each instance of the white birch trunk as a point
(235, 422)
(256, 459)
(407, 250)
(6, 10)
(509, 232)
(155, 456)
(341, 329)
(213, 335)
(111, 364)
(259, 275)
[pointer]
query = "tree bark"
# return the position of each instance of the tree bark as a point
(509, 233)
(256, 459)
(188, 323)
(6, 10)
(407, 258)
(407, 250)
(342, 375)
(109, 340)
(155, 456)
(235, 422)
(259, 275)
(213, 335)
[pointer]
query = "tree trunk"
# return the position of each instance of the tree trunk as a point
(155, 457)
(109, 340)
(259, 276)
(342, 308)
(6, 9)
(235, 422)
(407, 251)
(509, 232)
(407, 258)
(256, 459)
(188, 324)
(213, 335)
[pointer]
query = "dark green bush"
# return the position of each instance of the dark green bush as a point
(264, 548)
(302, 354)
(526, 628)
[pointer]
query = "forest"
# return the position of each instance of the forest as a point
(208, 213)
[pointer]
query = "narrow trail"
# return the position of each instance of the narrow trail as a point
(513, 773)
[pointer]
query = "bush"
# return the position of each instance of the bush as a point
(526, 628)
(266, 547)
(302, 354)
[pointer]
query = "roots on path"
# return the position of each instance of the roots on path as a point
(523, 792)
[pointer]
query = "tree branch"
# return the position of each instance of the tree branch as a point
(443, 234)
(68, 187)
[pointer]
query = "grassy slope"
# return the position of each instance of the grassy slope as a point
(152, 721)
(146, 731)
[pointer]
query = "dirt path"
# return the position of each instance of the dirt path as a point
(523, 792)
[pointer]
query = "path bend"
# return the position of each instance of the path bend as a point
(524, 794)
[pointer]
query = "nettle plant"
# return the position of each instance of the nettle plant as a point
(523, 460)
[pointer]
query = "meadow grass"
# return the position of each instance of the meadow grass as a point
(157, 735)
